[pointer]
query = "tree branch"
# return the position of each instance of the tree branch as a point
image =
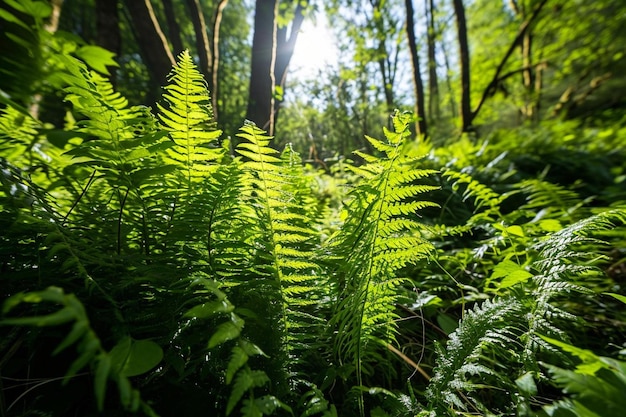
(491, 87)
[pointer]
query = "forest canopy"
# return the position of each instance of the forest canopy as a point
(434, 224)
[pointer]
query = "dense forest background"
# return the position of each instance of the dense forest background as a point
(432, 224)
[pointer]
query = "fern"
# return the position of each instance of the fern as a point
(18, 136)
(118, 158)
(284, 241)
(88, 344)
(511, 330)
(553, 200)
(380, 236)
(188, 117)
(490, 326)
(193, 154)
(561, 270)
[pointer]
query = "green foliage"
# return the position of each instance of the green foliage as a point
(189, 120)
(142, 255)
(380, 236)
(130, 358)
(595, 386)
(33, 59)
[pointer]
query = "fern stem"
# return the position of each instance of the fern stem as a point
(409, 361)
(82, 194)
(119, 223)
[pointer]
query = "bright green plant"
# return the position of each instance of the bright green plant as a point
(148, 258)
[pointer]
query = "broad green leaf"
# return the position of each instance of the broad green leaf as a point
(526, 384)
(97, 58)
(511, 273)
(591, 362)
(135, 357)
(550, 225)
(515, 231)
(447, 323)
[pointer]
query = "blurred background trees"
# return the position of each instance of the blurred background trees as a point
(463, 66)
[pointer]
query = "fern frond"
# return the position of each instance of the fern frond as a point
(483, 196)
(381, 235)
(483, 203)
(17, 136)
(113, 152)
(490, 324)
(561, 270)
(284, 240)
(554, 200)
(188, 117)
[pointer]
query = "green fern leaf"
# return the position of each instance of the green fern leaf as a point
(228, 330)
(481, 326)
(285, 239)
(245, 380)
(189, 120)
(380, 236)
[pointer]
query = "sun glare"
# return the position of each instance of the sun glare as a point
(315, 49)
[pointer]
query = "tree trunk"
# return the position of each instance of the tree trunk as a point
(261, 86)
(466, 114)
(420, 123)
(53, 21)
(173, 27)
(271, 53)
(213, 82)
(108, 29)
(454, 108)
(433, 83)
(154, 47)
(386, 73)
(51, 26)
(203, 47)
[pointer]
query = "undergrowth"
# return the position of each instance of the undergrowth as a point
(147, 269)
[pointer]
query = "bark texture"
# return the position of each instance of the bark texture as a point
(420, 123)
(152, 42)
(466, 113)
(272, 49)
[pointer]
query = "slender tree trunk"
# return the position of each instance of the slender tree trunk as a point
(272, 49)
(108, 29)
(454, 108)
(53, 22)
(213, 82)
(173, 26)
(261, 87)
(433, 83)
(420, 123)
(529, 107)
(285, 46)
(528, 78)
(203, 47)
(154, 47)
(286, 43)
(466, 114)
